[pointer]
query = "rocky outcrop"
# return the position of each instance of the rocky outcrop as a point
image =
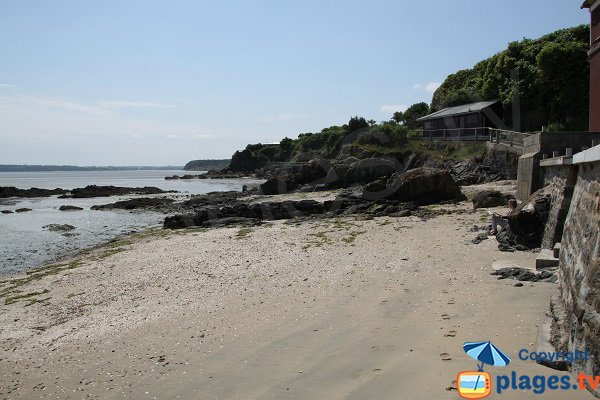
(490, 198)
(313, 171)
(106, 191)
(23, 210)
(11, 191)
(278, 185)
(213, 199)
(212, 174)
(69, 208)
(370, 169)
(526, 224)
(472, 173)
(247, 161)
(423, 186)
(134, 204)
(211, 216)
(525, 275)
(59, 227)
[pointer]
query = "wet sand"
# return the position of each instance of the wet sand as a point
(320, 309)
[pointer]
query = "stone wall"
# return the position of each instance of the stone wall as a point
(580, 267)
(528, 175)
(562, 177)
(535, 146)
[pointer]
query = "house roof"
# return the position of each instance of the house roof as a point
(459, 110)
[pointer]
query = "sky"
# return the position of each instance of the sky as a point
(133, 82)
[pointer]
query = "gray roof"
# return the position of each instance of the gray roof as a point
(459, 110)
(587, 4)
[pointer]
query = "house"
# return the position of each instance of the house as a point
(466, 120)
(594, 53)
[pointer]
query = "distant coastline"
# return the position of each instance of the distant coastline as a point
(54, 168)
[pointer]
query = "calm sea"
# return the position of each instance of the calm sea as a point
(25, 244)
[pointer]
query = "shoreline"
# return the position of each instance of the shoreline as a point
(320, 308)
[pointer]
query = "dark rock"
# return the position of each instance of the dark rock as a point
(69, 208)
(370, 169)
(11, 191)
(59, 227)
(480, 238)
(22, 210)
(518, 284)
(6, 212)
(376, 186)
(213, 198)
(312, 172)
(245, 213)
(212, 174)
(278, 185)
(523, 275)
(490, 198)
(472, 173)
(526, 224)
(105, 191)
(247, 161)
(336, 175)
(180, 221)
(146, 203)
(424, 186)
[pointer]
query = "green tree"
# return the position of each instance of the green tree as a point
(398, 117)
(413, 113)
(357, 123)
(549, 75)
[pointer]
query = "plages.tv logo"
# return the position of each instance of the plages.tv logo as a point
(478, 384)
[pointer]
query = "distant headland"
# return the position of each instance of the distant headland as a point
(51, 168)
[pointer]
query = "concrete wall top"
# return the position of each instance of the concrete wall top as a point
(588, 156)
(559, 141)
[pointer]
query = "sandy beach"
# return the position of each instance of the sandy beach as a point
(319, 309)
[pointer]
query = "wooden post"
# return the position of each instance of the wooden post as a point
(459, 134)
(476, 130)
(512, 135)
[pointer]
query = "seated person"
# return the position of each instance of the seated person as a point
(502, 220)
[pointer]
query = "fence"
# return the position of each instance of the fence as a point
(483, 134)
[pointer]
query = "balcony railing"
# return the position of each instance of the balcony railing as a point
(482, 134)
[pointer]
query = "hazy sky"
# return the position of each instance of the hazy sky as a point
(163, 82)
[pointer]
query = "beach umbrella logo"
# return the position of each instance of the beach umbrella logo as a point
(478, 384)
(486, 353)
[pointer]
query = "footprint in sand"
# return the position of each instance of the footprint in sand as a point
(387, 347)
(446, 316)
(450, 334)
(445, 357)
(451, 301)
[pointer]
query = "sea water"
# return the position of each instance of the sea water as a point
(25, 243)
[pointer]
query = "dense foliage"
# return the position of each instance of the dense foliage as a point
(204, 165)
(335, 141)
(550, 76)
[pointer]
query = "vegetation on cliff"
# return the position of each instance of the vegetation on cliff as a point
(205, 165)
(549, 76)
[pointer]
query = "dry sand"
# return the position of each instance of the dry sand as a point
(322, 309)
